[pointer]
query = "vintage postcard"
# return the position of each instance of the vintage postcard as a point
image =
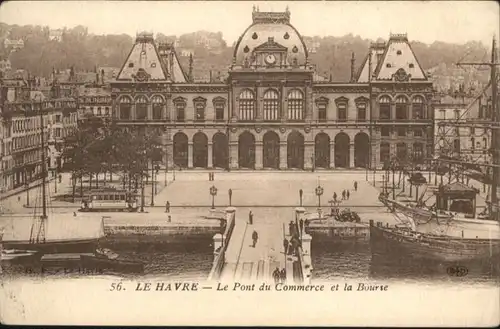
(250, 163)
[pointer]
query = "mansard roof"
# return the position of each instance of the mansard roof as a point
(394, 60)
(146, 62)
(399, 56)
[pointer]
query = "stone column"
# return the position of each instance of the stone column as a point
(233, 155)
(308, 102)
(332, 155)
(284, 103)
(283, 155)
(168, 108)
(258, 155)
(259, 106)
(351, 155)
(190, 155)
(150, 111)
(231, 108)
(308, 154)
(210, 156)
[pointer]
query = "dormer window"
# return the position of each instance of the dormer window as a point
(153, 64)
(254, 36)
(388, 65)
(143, 52)
(130, 64)
(286, 36)
(411, 65)
(398, 52)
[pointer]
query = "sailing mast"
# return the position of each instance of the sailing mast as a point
(495, 134)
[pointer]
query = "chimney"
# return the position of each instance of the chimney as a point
(353, 61)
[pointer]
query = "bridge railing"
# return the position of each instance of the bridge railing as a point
(220, 258)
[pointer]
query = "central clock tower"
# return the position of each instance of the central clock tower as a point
(270, 54)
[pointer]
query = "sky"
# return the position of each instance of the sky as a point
(429, 21)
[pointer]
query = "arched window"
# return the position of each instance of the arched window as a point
(295, 105)
(385, 108)
(157, 107)
(141, 108)
(418, 108)
(271, 105)
(401, 108)
(125, 104)
(247, 105)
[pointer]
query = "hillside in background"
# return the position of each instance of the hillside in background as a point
(331, 55)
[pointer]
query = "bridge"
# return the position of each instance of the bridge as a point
(236, 259)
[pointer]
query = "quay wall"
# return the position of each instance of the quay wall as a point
(338, 231)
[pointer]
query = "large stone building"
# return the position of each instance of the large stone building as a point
(271, 112)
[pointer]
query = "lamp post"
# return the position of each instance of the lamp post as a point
(230, 193)
(152, 184)
(142, 193)
(213, 193)
(300, 196)
(319, 192)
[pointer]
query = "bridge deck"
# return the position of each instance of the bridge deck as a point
(243, 262)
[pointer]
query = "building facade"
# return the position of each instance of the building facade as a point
(271, 112)
(25, 111)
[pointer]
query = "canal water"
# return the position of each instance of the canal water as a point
(346, 260)
(332, 262)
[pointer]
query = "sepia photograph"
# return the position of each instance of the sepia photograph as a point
(250, 163)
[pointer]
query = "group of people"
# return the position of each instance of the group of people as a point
(211, 176)
(345, 196)
(279, 276)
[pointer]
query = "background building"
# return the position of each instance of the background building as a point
(271, 111)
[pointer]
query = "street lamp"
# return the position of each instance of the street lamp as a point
(319, 192)
(213, 193)
(300, 196)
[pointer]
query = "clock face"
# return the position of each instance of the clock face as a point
(270, 59)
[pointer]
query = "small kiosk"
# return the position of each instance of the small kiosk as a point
(457, 197)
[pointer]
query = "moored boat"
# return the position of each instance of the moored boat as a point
(404, 241)
(102, 262)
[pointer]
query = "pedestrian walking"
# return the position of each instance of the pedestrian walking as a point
(169, 219)
(18, 199)
(355, 186)
(283, 275)
(250, 217)
(213, 176)
(255, 237)
(343, 195)
(285, 245)
(276, 275)
(167, 207)
(347, 194)
(335, 196)
(301, 225)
